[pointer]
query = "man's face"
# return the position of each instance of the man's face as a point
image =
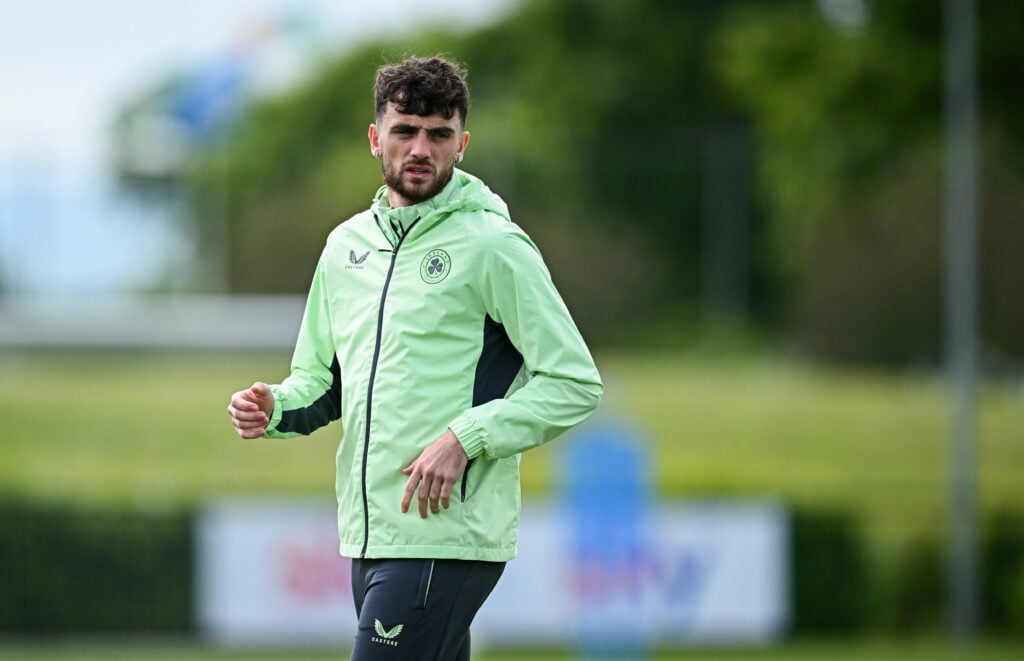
(417, 154)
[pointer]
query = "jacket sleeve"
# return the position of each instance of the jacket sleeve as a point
(311, 395)
(564, 387)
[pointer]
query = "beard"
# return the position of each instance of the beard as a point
(417, 191)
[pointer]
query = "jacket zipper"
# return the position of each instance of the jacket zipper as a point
(373, 374)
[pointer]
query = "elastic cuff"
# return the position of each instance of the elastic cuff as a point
(470, 435)
(275, 417)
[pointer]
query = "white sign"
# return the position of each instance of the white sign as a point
(701, 572)
(705, 572)
(269, 572)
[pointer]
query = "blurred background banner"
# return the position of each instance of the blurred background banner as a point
(268, 574)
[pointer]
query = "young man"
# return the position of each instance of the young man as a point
(434, 332)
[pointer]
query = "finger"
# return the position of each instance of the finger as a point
(250, 433)
(257, 416)
(240, 402)
(250, 424)
(247, 415)
(446, 494)
(422, 497)
(435, 494)
(410, 487)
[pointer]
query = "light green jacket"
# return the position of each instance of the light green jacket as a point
(439, 315)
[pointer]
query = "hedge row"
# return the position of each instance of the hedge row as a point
(838, 589)
(74, 570)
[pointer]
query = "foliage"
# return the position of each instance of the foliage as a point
(849, 126)
(831, 107)
(597, 121)
(68, 569)
(1003, 572)
(830, 574)
(587, 117)
(287, 176)
(919, 602)
(919, 591)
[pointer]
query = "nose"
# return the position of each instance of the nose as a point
(420, 147)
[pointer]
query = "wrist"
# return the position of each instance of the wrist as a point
(470, 436)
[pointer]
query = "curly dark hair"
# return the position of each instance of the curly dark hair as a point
(422, 87)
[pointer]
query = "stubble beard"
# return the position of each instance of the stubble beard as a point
(393, 177)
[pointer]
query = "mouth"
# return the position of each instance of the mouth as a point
(418, 171)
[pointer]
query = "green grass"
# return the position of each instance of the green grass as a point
(151, 429)
(147, 428)
(838, 651)
(872, 442)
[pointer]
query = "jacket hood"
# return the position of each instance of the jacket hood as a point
(463, 193)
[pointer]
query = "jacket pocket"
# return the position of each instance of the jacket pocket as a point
(463, 484)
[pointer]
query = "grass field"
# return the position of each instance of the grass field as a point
(151, 429)
(840, 651)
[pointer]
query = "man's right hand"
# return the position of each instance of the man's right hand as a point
(250, 410)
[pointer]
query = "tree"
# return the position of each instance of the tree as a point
(848, 123)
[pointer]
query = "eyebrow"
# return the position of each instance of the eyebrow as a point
(437, 130)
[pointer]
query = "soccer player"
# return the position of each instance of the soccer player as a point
(433, 330)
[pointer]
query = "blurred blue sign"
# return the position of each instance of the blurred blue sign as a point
(606, 490)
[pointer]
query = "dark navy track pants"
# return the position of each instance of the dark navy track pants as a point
(418, 610)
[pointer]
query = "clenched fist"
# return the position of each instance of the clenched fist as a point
(250, 410)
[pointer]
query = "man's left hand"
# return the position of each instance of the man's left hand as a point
(435, 472)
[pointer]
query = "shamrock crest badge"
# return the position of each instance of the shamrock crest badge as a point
(435, 266)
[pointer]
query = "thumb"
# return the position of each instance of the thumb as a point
(260, 389)
(407, 470)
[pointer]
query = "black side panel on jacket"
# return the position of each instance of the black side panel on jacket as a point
(325, 409)
(499, 363)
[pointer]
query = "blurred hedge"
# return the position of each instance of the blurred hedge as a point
(67, 570)
(1003, 573)
(831, 575)
(70, 570)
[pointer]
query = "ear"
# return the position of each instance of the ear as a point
(374, 138)
(461, 151)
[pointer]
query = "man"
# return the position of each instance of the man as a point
(434, 332)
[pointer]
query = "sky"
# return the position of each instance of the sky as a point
(67, 66)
